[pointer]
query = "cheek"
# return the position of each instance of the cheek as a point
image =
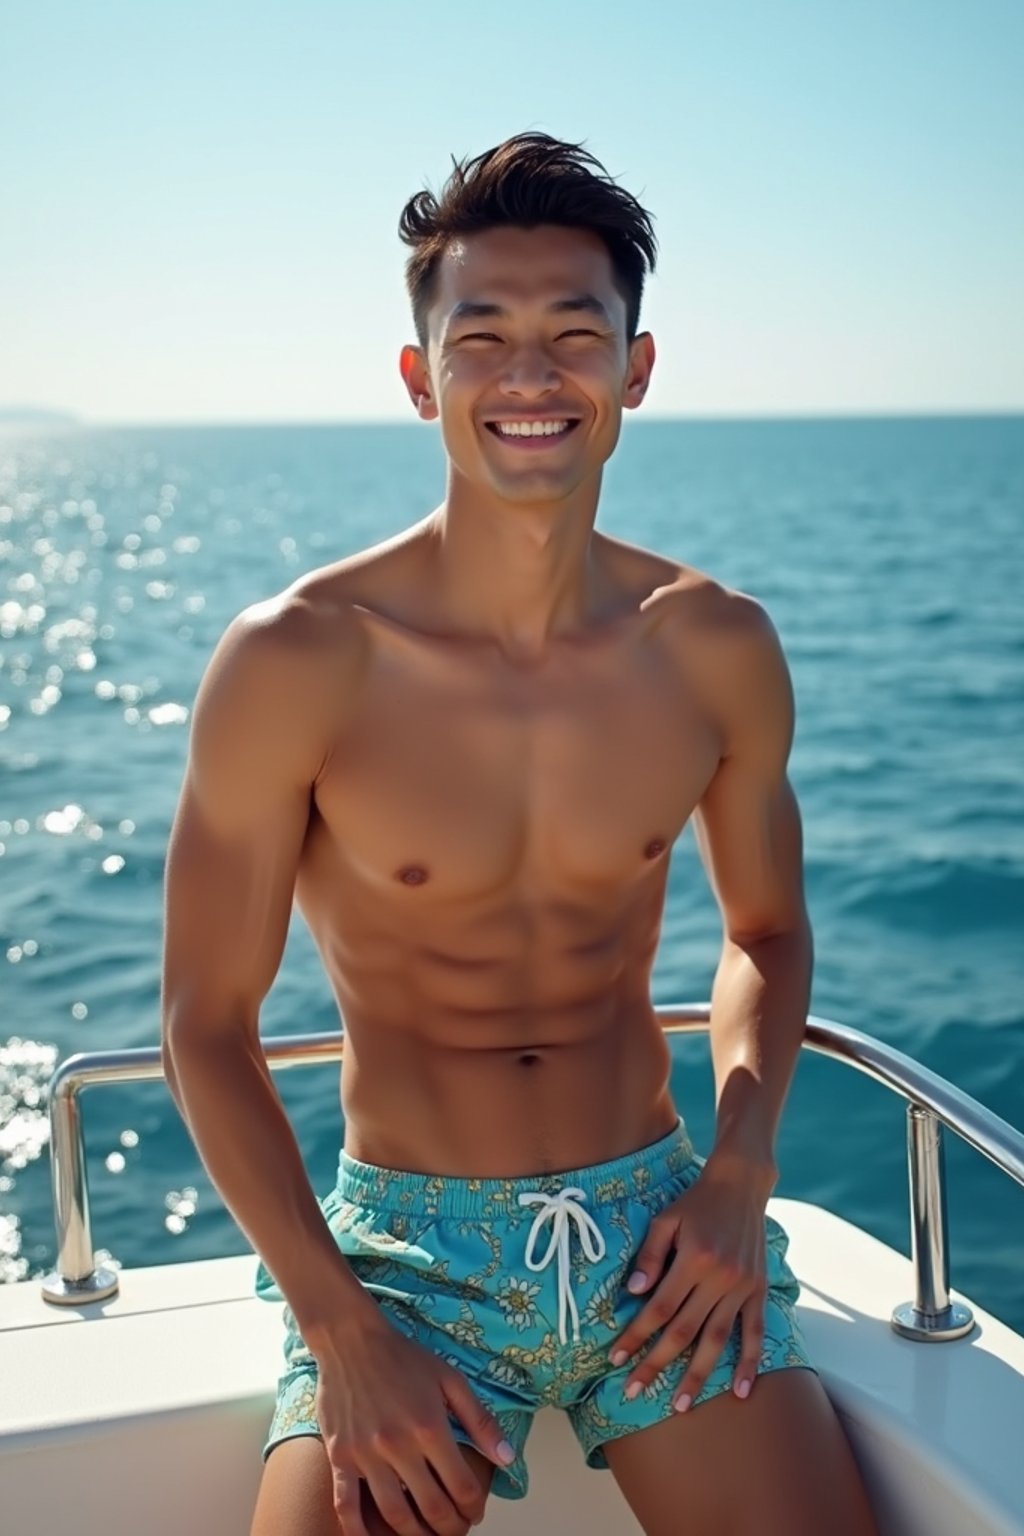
(459, 390)
(457, 405)
(603, 374)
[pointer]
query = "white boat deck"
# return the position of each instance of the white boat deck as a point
(148, 1411)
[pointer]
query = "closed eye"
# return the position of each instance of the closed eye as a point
(490, 336)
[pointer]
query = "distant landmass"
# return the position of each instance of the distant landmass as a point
(35, 416)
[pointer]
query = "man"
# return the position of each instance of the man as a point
(468, 752)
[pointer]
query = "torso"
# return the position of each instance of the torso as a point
(485, 867)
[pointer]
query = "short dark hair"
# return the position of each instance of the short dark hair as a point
(528, 180)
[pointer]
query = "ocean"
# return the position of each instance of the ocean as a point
(890, 554)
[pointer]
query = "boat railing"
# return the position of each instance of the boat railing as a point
(932, 1103)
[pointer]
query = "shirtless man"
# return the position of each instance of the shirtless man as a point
(467, 753)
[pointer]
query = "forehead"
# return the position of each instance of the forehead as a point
(510, 265)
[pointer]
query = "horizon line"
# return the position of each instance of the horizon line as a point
(57, 421)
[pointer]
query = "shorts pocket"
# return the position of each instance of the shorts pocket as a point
(393, 1236)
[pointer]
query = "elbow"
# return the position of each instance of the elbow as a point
(795, 929)
(175, 1039)
(171, 1050)
(190, 1035)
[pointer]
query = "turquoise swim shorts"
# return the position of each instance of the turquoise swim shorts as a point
(521, 1285)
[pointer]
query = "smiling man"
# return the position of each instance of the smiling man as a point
(468, 752)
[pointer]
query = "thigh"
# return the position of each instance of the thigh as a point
(295, 1496)
(777, 1464)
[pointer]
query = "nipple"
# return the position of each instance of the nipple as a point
(654, 847)
(412, 874)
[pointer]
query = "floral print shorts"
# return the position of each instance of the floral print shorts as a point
(521, 1285)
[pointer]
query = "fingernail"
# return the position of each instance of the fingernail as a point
(633, 1389)
(682, 1403)
(506, 1451)
(620, 1357)
(743, 1389)
(636, 1281)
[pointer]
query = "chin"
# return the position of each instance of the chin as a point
(535, 488)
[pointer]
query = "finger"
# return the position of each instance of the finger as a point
(347, 1504)
(714, 1336)
(488, 1435)
(390, 1498)
(674, 1289)
(650, 1261)
(752, 1315)
(434, 1505)
(452, 1471)
(676, 1337)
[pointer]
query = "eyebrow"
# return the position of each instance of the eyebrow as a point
(580, 303)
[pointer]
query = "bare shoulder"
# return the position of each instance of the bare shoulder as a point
(305, 646)
(318, 617)
(274, 686)
(733, 627)
(288, 665)
(684, 597)
(283, 641)
(376, 577)
(725, 643)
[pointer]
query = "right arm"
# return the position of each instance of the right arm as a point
(260, 738)
(258, 741)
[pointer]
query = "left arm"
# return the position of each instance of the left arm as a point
(750, 840)
(749, 837)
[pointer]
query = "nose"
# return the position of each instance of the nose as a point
(530, 374)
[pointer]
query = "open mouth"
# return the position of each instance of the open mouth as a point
(533, 435)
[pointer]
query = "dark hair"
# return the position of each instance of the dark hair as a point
(528, 180)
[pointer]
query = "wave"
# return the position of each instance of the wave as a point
(939, 896)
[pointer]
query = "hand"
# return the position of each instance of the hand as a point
(381, 1404)
(716, 1228)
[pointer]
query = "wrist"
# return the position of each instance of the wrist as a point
(751, 1166)
(330, 1336)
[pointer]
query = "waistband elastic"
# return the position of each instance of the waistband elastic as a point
(367, 1184)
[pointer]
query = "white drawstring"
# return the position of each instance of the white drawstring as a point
(563, 1208)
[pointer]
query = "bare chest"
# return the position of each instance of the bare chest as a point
(459, 777)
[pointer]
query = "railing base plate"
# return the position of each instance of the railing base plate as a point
(932, 1328)
(99, 1286)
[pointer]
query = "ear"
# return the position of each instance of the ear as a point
(412, 365)
(638, 374)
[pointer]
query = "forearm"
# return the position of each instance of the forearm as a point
(223, 1088)
(759, 1005)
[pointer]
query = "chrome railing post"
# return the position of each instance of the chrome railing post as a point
(931, 1316)
(76, 1278)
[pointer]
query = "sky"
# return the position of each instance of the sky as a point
(200, 201)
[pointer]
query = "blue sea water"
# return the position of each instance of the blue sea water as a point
(889, 552)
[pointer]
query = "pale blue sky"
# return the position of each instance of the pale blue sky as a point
(201, 200)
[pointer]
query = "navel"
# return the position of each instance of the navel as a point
(654, 847)
(413, 874)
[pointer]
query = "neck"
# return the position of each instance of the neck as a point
(521, 572)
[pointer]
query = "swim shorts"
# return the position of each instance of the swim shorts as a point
(521, 1285)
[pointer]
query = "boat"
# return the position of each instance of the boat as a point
(138, 1399)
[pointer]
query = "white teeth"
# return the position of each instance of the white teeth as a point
(531, 428)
